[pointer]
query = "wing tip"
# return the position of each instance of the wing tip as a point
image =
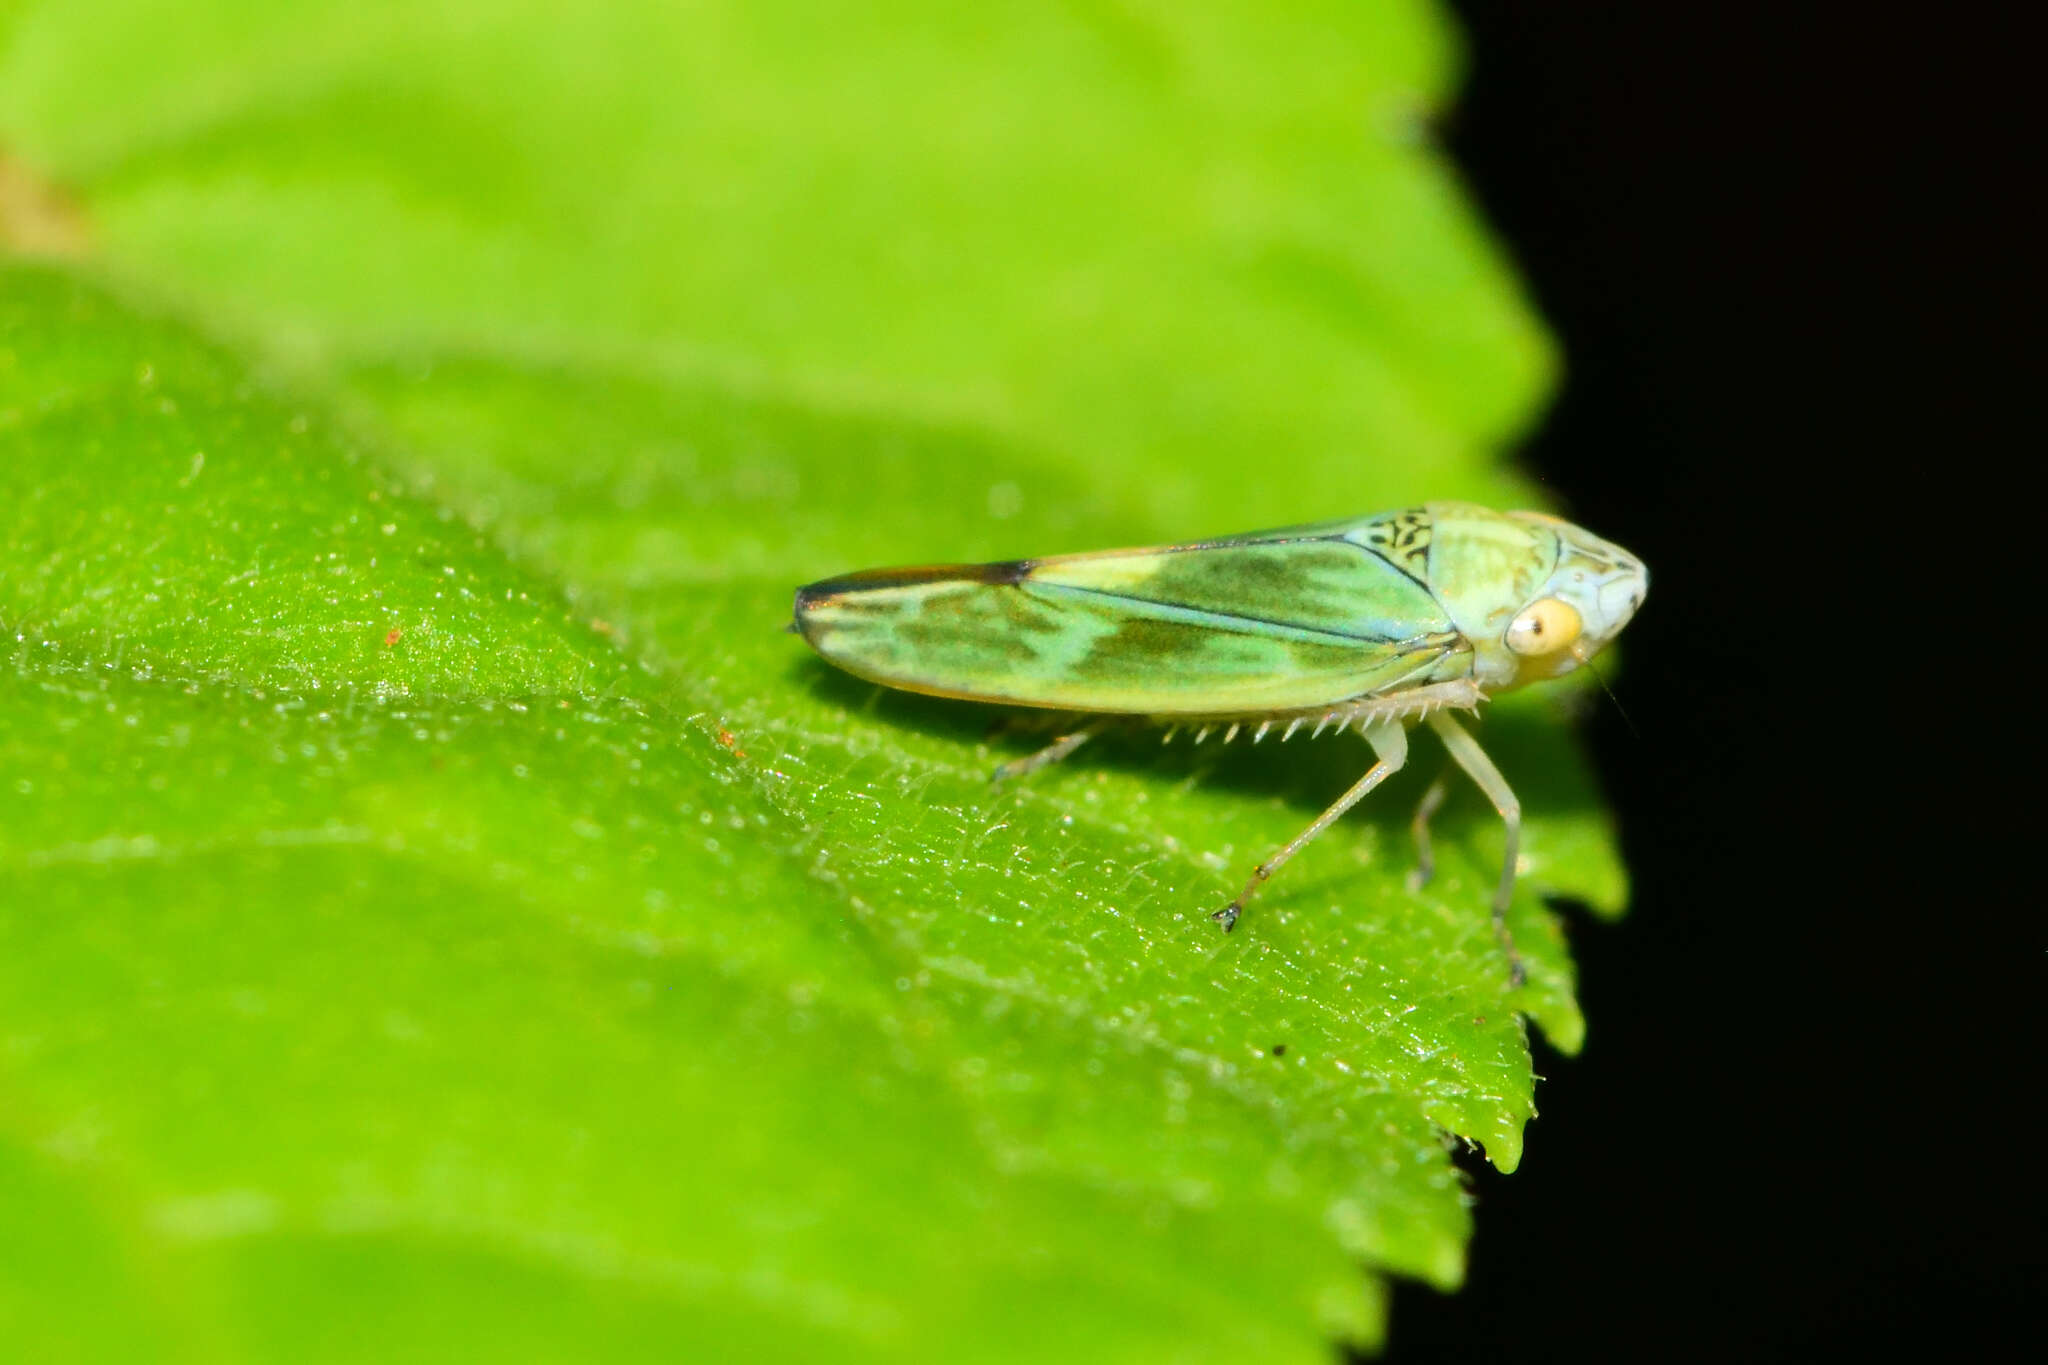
(830, 592)
(827, 591)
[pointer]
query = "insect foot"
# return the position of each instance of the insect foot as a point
(1227, 916)
(1518, 974)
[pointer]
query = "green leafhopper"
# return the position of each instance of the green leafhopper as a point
(1370, 624)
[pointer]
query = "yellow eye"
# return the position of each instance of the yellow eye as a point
(1544, 627)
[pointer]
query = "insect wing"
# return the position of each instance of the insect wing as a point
(1246, 626)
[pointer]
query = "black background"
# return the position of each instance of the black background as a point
(1807, 1119)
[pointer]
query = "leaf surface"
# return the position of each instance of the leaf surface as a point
(441, 907)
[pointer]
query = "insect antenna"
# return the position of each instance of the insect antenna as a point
(1634, 733)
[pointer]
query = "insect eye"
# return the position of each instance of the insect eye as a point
(1544, 627)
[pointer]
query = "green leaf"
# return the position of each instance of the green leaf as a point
(442, 910)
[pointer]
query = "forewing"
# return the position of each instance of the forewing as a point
(1284, 622)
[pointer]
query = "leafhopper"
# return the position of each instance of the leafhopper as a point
(1371, 625)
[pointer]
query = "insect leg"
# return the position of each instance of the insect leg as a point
(1425, 853)
(1390, 742)
(1480, 769)
(1051, 753)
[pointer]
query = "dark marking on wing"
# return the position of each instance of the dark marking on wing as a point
(1002, 573)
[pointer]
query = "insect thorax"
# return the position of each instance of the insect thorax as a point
(1401, 538)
